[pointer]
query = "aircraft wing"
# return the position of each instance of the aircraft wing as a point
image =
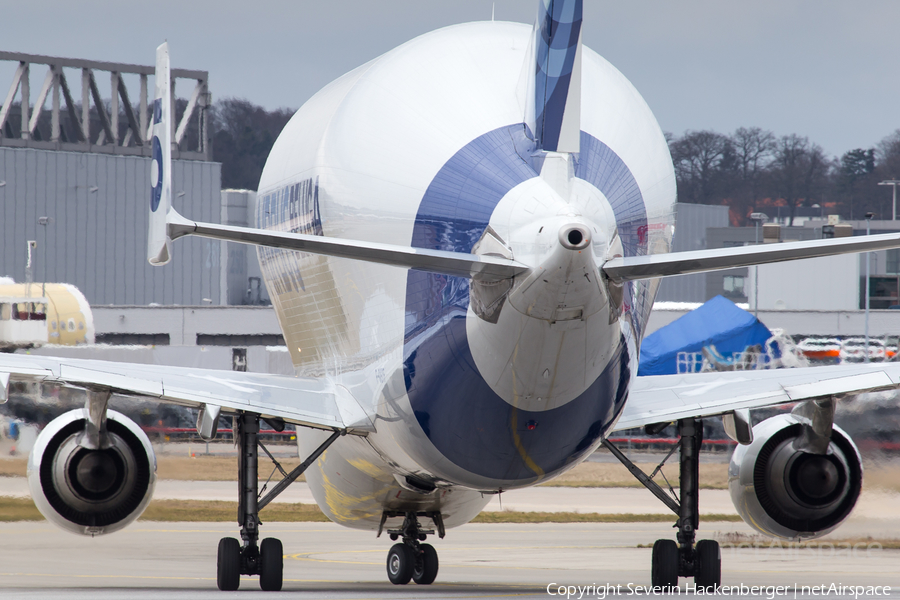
(311, 402)
(665, 398)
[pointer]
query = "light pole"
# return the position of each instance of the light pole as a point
(868, 255)
(757, 218)
(42, 221)
(892, 182)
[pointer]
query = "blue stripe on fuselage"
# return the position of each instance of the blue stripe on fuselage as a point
(462, 416)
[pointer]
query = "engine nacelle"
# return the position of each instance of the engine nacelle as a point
(91, 492)
(783, 492)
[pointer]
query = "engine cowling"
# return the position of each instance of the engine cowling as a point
(786, 493)
(91, 492)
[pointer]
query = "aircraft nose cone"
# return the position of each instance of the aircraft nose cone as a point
(574, 237)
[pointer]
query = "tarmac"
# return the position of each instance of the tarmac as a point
(323, 560)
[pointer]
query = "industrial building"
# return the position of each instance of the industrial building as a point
(75, 179)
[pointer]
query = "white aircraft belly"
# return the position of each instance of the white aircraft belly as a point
(353, 485)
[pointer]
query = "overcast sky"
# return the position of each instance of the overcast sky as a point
(820, 68)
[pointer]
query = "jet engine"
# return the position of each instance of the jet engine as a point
(91, 491)
(782, 489)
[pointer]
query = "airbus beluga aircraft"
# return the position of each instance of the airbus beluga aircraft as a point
(463, 239)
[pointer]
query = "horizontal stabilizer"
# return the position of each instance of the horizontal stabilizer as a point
(436, 261)
(699, 261)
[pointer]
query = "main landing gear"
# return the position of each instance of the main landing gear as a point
(672, 560)
(264, 559)
(409, 559)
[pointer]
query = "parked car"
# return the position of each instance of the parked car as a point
(821, 349)
(854, 350)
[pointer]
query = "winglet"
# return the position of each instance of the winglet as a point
(158, 241)
(557, 75)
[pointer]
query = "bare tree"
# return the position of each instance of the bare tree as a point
(243, 136)
(887, 156)
(697, 157)
(799, 171)
(752, 153)
(815, 174)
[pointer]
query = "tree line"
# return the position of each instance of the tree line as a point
(242, 136)
(752, 170)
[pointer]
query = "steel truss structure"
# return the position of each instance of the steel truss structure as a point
(109, 138)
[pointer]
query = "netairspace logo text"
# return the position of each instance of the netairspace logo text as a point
(770, 592)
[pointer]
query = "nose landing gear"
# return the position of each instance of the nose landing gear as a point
(410, 560)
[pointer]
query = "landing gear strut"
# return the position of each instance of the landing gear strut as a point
(672, 560)
(264, 559)
(409, 559)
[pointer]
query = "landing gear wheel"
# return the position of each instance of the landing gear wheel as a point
(271, 565)
(400, 564)
(426, 567)
(664, 565)
(228, 572)
(709, 564)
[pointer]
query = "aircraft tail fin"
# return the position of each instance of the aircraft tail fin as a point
(158, 242)
(557, 75)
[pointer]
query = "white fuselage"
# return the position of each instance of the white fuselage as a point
(473, 387)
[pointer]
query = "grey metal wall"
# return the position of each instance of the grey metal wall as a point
(691, 223)
(97, 233)
(241, 278)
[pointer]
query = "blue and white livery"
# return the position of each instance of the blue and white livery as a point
(463, 239)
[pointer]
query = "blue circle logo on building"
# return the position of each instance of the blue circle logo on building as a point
(156, 175)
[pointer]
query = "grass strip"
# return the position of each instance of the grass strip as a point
(23, 509)
(583, 483)
(18, 509)
(573, 517)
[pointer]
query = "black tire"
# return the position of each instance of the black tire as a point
(426, 567)
(271, 565)
(664, 565)
(400, 564)
(228, 568)
(709, 565)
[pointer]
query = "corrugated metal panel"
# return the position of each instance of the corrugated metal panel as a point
(691, 223)
(97, 233)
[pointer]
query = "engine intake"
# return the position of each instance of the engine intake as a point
(788, 493)
(91, 491)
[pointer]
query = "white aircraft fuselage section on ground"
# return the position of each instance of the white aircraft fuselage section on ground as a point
(429, 146)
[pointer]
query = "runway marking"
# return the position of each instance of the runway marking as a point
(309, 555)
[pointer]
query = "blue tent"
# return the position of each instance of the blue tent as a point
(718, 322)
